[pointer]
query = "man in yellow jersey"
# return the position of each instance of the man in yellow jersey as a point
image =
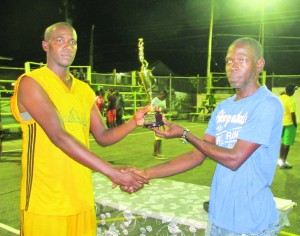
(289, 123)
(57, 112)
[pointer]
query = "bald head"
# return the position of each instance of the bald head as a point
(51, 28)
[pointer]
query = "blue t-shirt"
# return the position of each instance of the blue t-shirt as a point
(241, 201)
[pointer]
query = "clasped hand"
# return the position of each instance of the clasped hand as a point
(134, 179)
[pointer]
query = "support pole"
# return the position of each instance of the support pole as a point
(208, 73)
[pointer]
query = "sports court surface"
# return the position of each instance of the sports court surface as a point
(136, 150)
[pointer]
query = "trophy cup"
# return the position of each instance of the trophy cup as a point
(153, 118)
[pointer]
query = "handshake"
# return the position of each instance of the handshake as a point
(129, 179)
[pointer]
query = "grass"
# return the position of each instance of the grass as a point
(136, 150)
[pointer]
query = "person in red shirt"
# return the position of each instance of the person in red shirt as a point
(111, 111)
(100, 101)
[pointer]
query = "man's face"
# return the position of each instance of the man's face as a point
(61, 47)
(242, 67)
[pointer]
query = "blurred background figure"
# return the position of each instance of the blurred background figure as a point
(289, 123)
(111, 113)
(211, 102)
(75, 73)
(100, 101)
(81, 75)
(159, 103)
(119, 107)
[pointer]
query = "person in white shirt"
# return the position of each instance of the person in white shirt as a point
(159, 104)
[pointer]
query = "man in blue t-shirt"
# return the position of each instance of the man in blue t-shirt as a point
(243, 137)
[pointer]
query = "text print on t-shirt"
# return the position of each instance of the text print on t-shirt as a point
(228, 127)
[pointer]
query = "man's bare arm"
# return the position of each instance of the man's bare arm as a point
(33, 99)
(294, 119)
(231, 158)
(178, 165)
(104, 136)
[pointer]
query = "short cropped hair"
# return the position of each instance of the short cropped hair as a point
(252, 43)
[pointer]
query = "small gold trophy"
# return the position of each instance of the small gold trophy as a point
(153, 118)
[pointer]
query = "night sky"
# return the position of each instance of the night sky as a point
(175, 32)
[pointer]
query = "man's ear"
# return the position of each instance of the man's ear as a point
(45, 46)
(260, 64)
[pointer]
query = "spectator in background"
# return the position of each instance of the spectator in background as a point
(75, 72)
(100, 101)
(289, 123)
(111, 112)
(211, 103)
(159, 104)
(81, 75)
(119, 108)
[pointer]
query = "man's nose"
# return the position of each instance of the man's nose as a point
(234, 65)
(69, 45)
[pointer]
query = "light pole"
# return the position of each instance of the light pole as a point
(262, 25)
(208, 73)
(209, 56)
(262, 37)
(92, 48)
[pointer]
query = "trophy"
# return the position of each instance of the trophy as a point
(153, 118)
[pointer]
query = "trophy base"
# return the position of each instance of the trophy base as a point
(153, 120)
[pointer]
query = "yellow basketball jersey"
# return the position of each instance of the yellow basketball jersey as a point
(53, 183)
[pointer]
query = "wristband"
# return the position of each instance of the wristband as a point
(183, 138)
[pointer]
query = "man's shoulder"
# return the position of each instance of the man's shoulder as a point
(266, 95)
(38, 71)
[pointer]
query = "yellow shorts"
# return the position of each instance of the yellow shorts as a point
(82, 224)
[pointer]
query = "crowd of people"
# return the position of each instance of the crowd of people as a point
(56, 187)
(111, 106)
